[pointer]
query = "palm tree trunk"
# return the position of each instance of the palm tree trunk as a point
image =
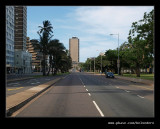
(44, 65)
(49, 70)
(50, 64)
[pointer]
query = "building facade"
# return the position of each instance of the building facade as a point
(36, 55)
(74, 49)
(10, 39)
(23, 59)
(20, 27)
(23, 62)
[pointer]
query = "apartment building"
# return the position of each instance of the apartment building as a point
(20, 27)
(74, 51)
(36, 55)
(23, 58)
(10, 39)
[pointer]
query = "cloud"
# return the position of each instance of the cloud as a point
(92, 25)
(97, 22)
(109, 19)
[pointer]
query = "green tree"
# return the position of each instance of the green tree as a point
(65, 62)
(59, 57)
(140, 41)
(111, 57)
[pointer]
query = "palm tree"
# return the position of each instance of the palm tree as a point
(54, 50)
(59, 58)
(47, 27)
(66, 62)
(45, 36)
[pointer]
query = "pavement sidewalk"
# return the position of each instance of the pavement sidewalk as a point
(16, 101)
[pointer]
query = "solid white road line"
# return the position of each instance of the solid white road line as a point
(98, 109)
(140, 96)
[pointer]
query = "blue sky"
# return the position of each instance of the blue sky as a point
(91, 24)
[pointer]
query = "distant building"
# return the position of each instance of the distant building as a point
(10, 39)
(74, 51)
(36, 55)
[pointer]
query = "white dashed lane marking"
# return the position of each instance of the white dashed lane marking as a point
(140, 96)
(127, 91)
(101, 113)
(89, 94)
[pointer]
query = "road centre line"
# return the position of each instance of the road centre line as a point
(85, 86)
(98, 109)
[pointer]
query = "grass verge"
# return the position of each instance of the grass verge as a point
(142, 76)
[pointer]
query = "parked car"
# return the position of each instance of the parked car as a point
(109, 74)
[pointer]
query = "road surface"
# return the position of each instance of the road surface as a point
(87, 95)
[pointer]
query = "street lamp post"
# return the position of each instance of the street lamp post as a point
(118, 52)
(90, 65)
(102, 54)
(94, 65)
(101, 64)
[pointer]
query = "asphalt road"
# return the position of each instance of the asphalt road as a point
(86, 95)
